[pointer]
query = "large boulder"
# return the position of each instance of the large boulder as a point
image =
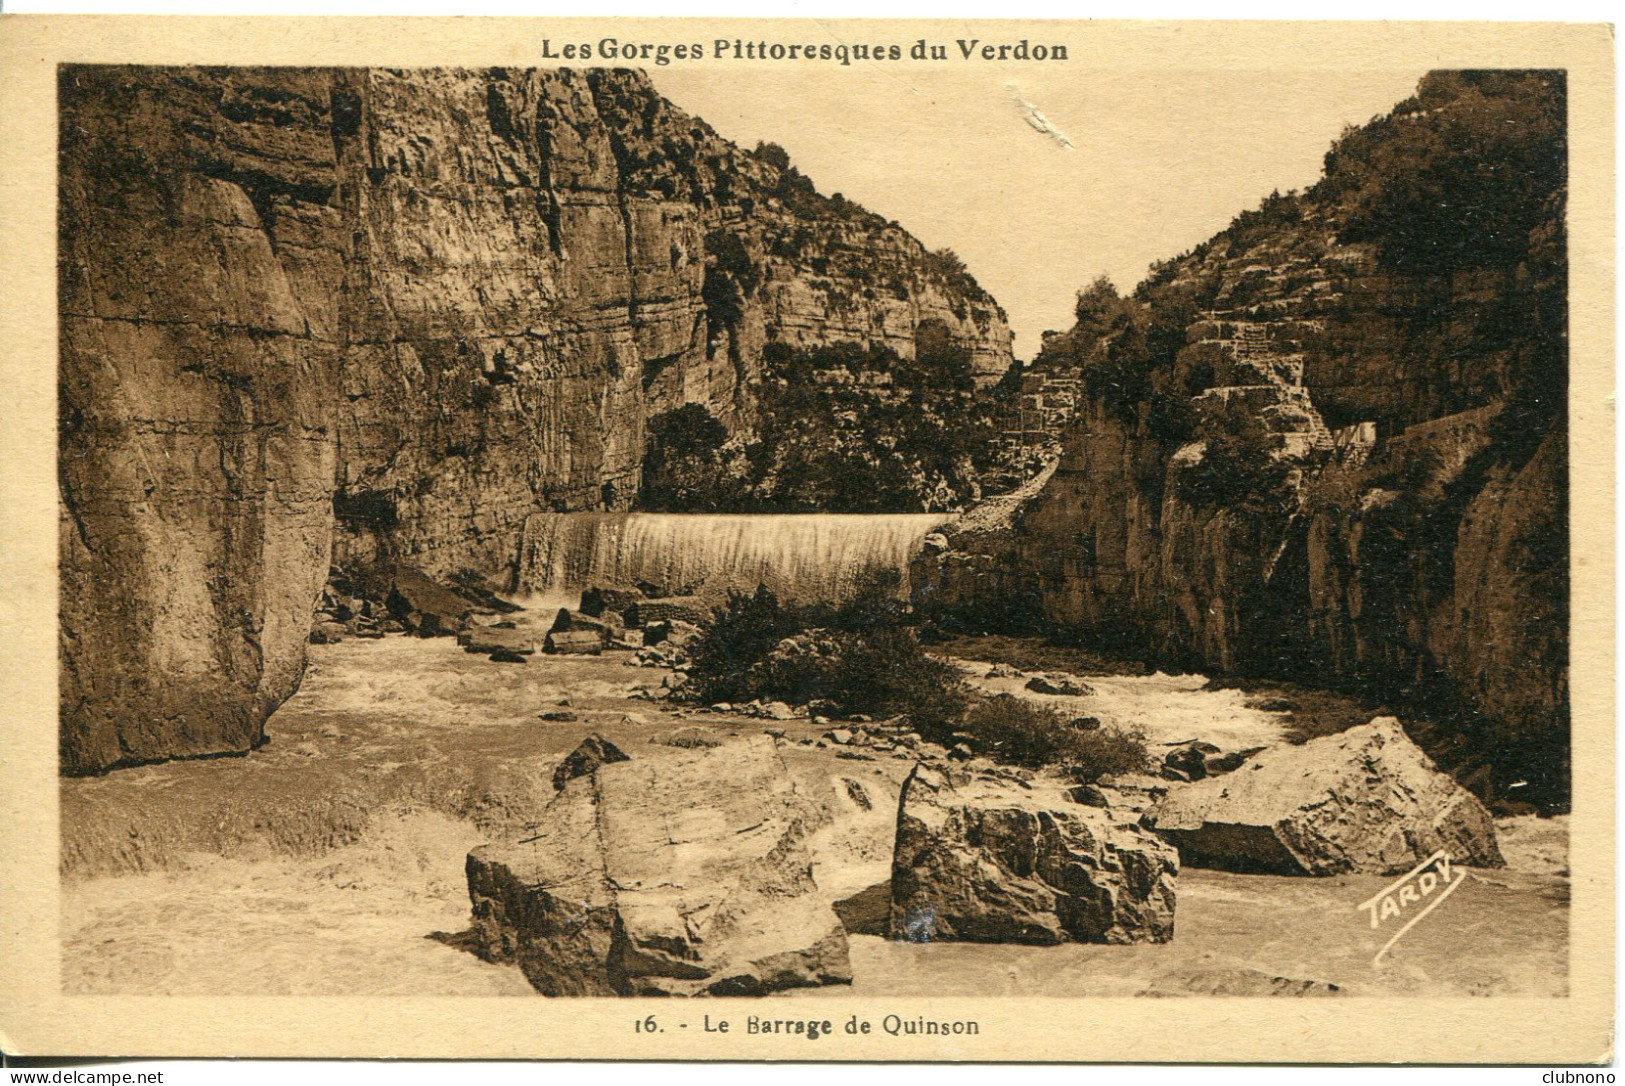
(683, 874)
(1367, 800)
(608, 628)
(424, 605)
(995, 860)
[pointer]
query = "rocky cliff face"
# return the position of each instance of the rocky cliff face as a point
(1329, 444)
(321, 315)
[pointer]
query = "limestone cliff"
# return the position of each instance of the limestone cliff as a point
(322, 315)
(1329, 443)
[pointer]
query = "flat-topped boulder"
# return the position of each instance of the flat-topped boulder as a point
(995, 860)
(686, 872)
(1366, 800)
(489, 639)
(573, 642)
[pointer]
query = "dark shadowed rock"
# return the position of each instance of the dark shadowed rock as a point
(1367, 800)
(424, 605)
(508, 656)
(593, 752)
(608, 627)
(999, 861)
(687, 608)
(1060, 684)
(599, 599)
(684, 875)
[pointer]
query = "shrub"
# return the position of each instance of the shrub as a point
(1240, 468)
(742, 635)
(1014, 730)
(859, 656)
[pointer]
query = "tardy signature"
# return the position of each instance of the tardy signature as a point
(1427, 884)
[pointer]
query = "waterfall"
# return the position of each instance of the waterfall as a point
(805, 558)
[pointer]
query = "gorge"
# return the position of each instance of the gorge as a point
(624, 570)
(333, 319)
(320, 317)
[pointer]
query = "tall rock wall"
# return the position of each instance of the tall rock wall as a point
(320, 315)
(1329, 444)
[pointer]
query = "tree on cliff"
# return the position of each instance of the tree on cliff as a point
(1458, 176)
(684, 465)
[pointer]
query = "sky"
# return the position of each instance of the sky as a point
(1042, 179)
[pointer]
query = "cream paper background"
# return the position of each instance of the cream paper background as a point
(36, 1019)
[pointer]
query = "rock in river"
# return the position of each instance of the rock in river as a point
(1060, 684)
(594, 751)
(994, 861)
(687, 874)
(1367, 800)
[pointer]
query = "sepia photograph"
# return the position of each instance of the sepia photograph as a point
(908, 513)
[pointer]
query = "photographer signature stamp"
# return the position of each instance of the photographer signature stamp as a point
(1412, 896)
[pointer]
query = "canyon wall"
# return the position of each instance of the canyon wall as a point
(322, 316)
(1329, 444)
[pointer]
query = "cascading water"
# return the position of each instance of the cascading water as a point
(804, 558)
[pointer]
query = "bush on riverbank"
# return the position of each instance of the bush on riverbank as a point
(859, 657)
(863, 658)
(1011, 729)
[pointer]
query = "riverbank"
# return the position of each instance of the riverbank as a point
(330, 862)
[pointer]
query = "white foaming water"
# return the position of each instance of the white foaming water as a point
(805, 558)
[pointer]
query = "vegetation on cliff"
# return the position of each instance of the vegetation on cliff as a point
(1329, 439)
(846, 428)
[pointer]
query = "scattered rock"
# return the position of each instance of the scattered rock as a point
(558, 716)
(574, 642)
(1058, 684)
(506, 656)
(1189, 760)
(1004, 671)
(1086, 723)
(961, 753)
(986, 860)
(1367, 800)
(778, 710)
(483, 640)
(691, 609)
(840, 735)
(593, 752)
(607, 628)
(684, 875)
(599, 599)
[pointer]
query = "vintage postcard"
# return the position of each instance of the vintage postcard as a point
(820, 540)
